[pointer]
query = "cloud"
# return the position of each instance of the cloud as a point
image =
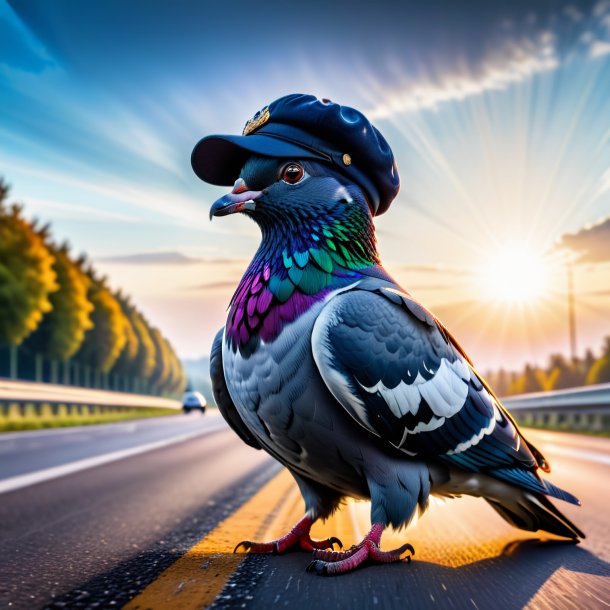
(599, 48)
(152, 258)
(511, 62)
(504, 52)
(591, 243)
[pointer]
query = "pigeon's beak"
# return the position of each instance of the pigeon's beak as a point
(238, 200)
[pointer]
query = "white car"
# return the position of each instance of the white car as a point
(193, 401)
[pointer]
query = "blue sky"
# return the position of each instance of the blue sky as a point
(498, 114)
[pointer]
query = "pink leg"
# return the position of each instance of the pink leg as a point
(298, 536)
(336, 562)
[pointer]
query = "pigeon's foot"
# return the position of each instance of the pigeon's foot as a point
(298, 537)
(328, 563)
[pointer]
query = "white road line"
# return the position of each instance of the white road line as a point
(25, 480)
(590, 456)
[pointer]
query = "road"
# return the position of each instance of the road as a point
(158, 526)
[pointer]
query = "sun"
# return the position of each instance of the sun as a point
(516, 274)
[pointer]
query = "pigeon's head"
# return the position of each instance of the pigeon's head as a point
(297, 157)
(290, 194)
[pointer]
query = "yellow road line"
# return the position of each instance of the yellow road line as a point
(198, 577)
(452, 534)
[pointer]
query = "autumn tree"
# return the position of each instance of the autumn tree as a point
(104, 342)
(564, 373)
(177, 379)
(125, 363)
(600, 371)
(62, 330)
(27, 278)
(587, 364)
(63, 311)
(146, 358)
(529, 381)
(162, 371)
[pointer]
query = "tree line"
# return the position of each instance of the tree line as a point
(560, 373)
(63, 321)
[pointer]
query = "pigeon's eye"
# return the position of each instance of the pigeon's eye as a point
(293, 173)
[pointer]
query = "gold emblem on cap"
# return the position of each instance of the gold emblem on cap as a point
(347, 160)
(258, 120)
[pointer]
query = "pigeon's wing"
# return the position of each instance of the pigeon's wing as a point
(223, 398)
(398, 373)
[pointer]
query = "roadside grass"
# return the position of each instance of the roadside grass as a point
(30, 420)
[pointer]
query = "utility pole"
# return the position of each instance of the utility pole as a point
(571, 311)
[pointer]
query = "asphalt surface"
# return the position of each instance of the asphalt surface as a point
(95, 538)
(27, 452)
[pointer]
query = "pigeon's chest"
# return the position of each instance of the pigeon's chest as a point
(269, 384)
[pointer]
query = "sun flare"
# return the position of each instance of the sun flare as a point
(515, 274)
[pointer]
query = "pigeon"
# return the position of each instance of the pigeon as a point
(330, 366)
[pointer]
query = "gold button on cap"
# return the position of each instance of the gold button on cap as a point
(347, 159)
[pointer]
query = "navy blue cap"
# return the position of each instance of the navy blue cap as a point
(303, 127)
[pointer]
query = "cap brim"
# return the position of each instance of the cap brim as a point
(219, 159)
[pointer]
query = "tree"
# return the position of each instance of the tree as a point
(162, 371)
(64, 311)
(125, 363)
(146, 358)
(564, 374)
(27, 278)
(588, 363)
(62, 330)
(529, 381)
(177, 381)
(105, 341)
(600, 371)
(499, 382)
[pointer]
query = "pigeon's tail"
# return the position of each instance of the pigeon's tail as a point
(525, 507)
(533, 511)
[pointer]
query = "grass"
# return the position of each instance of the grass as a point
(31, 421)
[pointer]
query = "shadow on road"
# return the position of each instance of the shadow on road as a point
(526, 569)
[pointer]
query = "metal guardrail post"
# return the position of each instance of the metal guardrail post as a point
(14, 355)
(38, 363)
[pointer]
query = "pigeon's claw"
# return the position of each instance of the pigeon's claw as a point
(328, 563)
(258, 547)
(328, 543)
(298, 537)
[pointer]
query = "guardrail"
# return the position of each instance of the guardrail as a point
(585, 408)
(23, 394)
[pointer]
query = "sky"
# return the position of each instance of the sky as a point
(498, 114)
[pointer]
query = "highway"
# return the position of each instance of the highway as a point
(150, 511)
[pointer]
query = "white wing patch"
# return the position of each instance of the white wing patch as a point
(445, 393)
(337, 383)
(476, 438)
